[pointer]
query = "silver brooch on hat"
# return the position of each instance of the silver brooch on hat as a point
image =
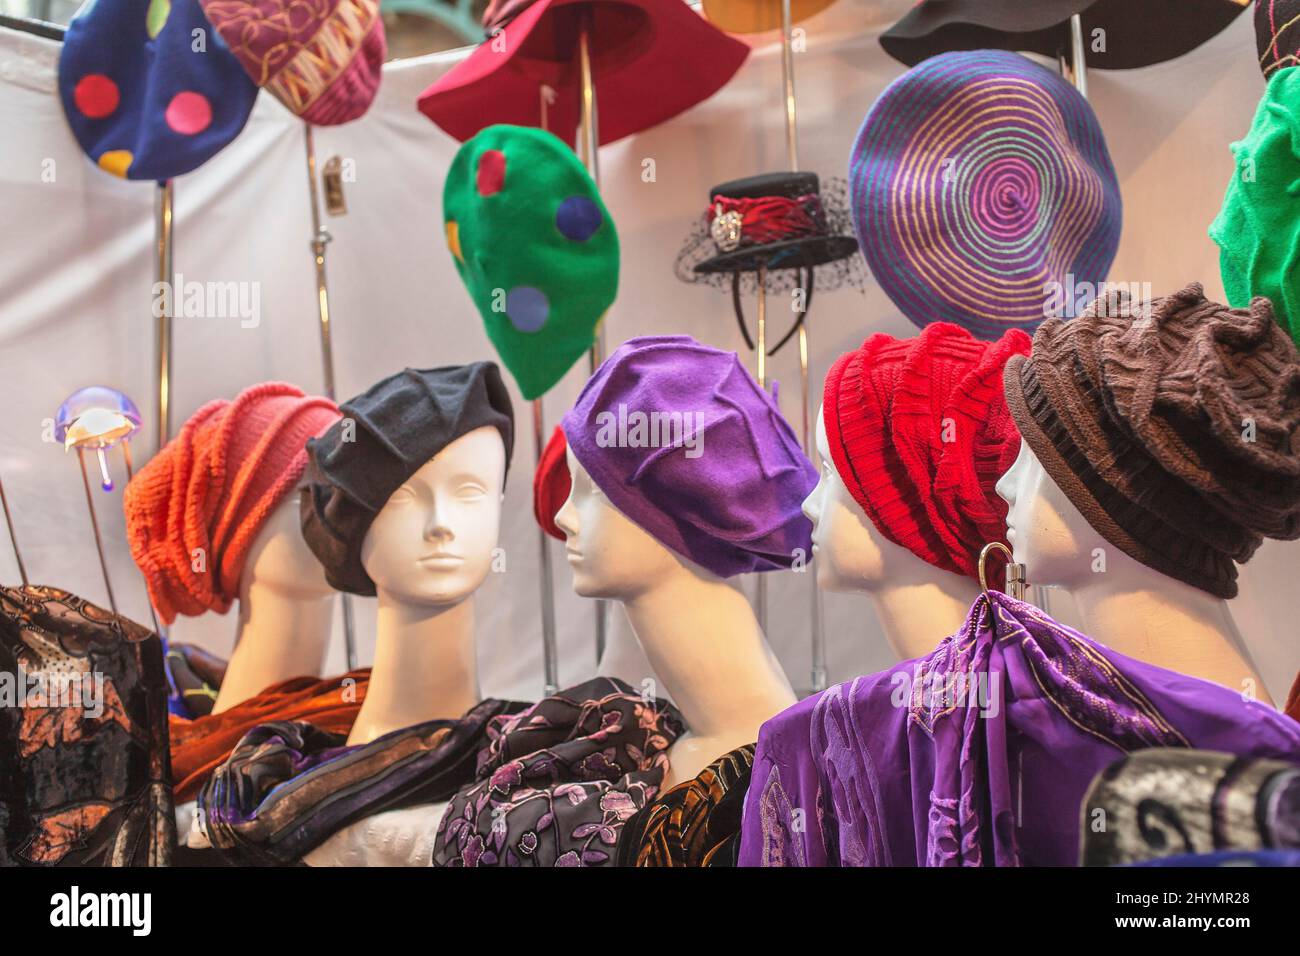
(726, 229)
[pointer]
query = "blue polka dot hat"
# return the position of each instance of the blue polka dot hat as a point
(535, 246)
(150, 90)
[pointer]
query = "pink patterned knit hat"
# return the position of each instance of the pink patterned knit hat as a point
(320, 58)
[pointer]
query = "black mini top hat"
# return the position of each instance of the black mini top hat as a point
(775, 220)
(783, 223)
(1135, 32)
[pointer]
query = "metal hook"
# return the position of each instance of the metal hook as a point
(1015, 572)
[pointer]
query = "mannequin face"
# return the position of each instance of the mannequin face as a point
(850, 551)
(432, 542)
(1046, 532)
(279, 558)
(611, 556)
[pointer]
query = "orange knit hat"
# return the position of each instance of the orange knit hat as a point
(193, 511)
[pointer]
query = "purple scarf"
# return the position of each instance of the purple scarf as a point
(979, 753)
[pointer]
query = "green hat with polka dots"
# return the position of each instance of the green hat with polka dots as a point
(535, 246)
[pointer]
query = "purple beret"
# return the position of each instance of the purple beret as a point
(683, 441)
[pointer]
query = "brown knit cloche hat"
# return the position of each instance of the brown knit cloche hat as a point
(1172, 425)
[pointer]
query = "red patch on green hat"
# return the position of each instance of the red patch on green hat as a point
(491, 172)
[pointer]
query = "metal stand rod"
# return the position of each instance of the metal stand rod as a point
(819, 669)
(760, 592)
(163, 327)
(787, 76)
(130, 474)
(550, 660)
(1078, 57)
(546, 96)
(13, 538)
(320, 237)
(94, 526)
(589, 121)
(1074, 67)
(588, 140)
(762, 326)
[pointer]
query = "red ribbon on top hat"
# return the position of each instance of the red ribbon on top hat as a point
(763, 220)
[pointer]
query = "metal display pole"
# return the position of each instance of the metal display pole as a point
(550, 659)
(589, 153)
(163, 323)
(1074, 67)
(94, 526)
(1078, 74)
(818, 649)
(819, 666)
(787, 76)
(760, 593)
(320, 237)
(13, 538)
(130, 474)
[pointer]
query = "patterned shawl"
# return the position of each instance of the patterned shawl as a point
(289, 785)
(559, 780)
(696, 823)
(980, 752)
(84, 776)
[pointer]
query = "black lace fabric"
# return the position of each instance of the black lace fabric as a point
(84, 766)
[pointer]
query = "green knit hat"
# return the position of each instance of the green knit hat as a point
(1258, 228)
(535, 246)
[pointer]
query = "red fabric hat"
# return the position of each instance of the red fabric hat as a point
(552, 484)
(212, 488)
(636, 46)
(920, 433)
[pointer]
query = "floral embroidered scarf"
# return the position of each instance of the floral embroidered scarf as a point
(558, 781)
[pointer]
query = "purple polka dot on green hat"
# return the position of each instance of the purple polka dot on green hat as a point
(535, 246)
(982, 193)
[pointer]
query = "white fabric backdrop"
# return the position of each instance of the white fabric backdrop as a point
(76, 274)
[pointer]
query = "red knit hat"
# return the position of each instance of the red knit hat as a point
(552, 483)
(920, 433)
(193, 511)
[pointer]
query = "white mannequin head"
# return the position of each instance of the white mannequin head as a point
(1122, 602)
(285, 610)
(1047, 533)
(852, 555)
(432, 542)
(279, 558)
(611, 555)
(697, 630)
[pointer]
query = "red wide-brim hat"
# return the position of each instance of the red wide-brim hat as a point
(651, 59)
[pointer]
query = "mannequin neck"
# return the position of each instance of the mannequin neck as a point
(425, 667)
(700, 636)
(1156, 619)
(916, 615)
(283, 632)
